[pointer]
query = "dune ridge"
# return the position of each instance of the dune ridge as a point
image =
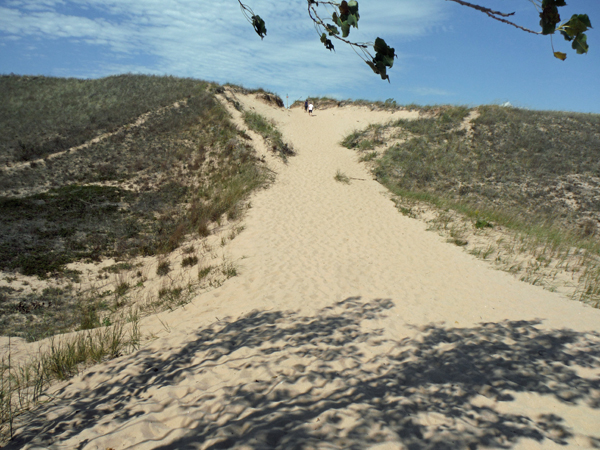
(349, 326)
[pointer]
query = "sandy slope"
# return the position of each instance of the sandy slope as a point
(349, 326)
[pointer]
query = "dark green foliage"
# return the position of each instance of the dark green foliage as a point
(259, 26)
(573, 30)
(549, 16)
(43, 232)
(384, 59)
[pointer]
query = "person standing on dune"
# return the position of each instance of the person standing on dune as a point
(310, 109)
(306, 105)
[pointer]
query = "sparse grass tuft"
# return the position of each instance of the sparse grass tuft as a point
(341, 177)
(189, 261)
(23, 386)
(163, 268)
(229, 270)
(204, 272)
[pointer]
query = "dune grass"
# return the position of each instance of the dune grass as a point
(23, 385)
(179, 170)
(341, 177)
(269, 132)
(43, 115)
(535, 173)
(138, 192)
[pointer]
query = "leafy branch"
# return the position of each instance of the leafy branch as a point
(345, 16)
(572, 30)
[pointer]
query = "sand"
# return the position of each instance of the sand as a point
(349, 326)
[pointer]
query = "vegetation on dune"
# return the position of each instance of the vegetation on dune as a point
(269, 132)
(172, 165)
(139, 192)
(525, 159)
(43, 115)
(534, 172)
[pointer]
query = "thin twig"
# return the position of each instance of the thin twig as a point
(494, 15)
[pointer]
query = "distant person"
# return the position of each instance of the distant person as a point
(310, 108)
(306, 106)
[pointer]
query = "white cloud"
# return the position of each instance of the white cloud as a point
(212, 40)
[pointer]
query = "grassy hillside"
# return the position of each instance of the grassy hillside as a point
(138, 192)
(536, 173)
(116, 197)
(42, 115)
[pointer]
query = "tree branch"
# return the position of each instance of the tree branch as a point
(496, 15)
(318, 21)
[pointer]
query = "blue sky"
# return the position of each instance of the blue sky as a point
(446, 53)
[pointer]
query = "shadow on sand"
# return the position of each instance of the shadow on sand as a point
(362, 389)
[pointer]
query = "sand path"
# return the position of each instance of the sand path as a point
(349, 327)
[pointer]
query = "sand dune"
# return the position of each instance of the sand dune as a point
(349, 326)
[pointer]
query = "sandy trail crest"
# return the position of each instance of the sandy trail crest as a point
(350, 326)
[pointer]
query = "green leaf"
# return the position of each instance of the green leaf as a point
(336, 19)
(383, 49)
(259, 26)
(352, 20)
(353, 7)
(560, 55)
(384, 58)
(566, 36)
(332, 29)
(573, 30)
(578, 23)
(345, 29)
(580, 44)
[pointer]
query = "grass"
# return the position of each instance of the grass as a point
(189, 261)
(269, 132)
(328, 102)
(36, 111)
(138, 192)
(204, 272)
(340, 177)
(532, 173)
(22, 386)
(163, 268)
(172, 167)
